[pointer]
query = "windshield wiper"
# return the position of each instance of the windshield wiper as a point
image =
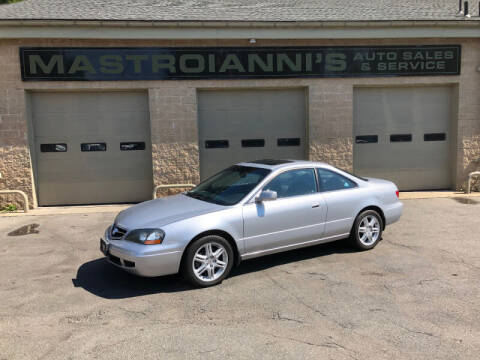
(205, 198)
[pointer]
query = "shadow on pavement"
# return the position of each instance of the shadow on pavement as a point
(292, 256)
(105, 280)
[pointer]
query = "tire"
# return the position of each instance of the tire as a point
(202, 267)
(367, 230)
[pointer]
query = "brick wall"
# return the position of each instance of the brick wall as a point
(173, 109)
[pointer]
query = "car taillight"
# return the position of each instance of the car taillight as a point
(398, 194)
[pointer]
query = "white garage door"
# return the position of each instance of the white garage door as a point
(404, 135)
(236, 126)
(92, 148)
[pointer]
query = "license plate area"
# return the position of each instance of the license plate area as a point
(104, 247)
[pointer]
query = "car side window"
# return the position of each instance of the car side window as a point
(293, 183)
(330, 181)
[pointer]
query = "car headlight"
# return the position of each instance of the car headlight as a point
(146, 236)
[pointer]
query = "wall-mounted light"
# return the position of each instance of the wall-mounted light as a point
(253, 41)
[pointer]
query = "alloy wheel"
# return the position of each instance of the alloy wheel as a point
(210, 261)
(369, 230)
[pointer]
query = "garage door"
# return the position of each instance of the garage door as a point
(92, 148)
(403, 134)
(244, 125)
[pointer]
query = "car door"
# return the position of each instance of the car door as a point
(297, 215)
(343, 198)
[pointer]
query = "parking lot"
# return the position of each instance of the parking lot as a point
(415, 296)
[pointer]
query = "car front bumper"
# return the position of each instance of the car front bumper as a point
(142, 260)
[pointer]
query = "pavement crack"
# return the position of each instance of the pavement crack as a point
(207, 351)
(276, 283)
(421, 282)
(133, 312)
(312, 308)
(410, 247)
(460, 259)
(277, 316)
(327, 344)
(388, 288)
(320, 276)
(416, 331)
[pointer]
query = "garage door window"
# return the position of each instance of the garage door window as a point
(288, 142)
(53, 147)
(366, 139)
(128, 146)
(401, 138)
(294, 183)
(93, 147)
(331, 181)
(435, 137)
(216, 144)
(253, 143)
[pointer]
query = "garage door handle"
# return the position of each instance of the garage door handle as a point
(315, 206)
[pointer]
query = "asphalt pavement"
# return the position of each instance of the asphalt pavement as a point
(415, 296)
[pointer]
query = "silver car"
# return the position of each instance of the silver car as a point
(249, 210)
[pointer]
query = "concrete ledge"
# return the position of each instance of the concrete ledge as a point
(64, 210)
(408, 195)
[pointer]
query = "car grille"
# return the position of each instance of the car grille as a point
(116, 232)
(114, 259)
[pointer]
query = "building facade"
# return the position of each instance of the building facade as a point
(100, 111)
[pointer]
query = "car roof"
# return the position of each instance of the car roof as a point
(275, 164)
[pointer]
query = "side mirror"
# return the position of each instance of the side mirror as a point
(266, 195)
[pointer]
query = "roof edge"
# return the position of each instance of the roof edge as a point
(473, 21)
(178, 30)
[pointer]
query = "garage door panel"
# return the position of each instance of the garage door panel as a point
(247, 115)
(415, 164)
(89, 177)
(75, 102)
(106, 192)
(74, 124)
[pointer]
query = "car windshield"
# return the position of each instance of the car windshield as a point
(229, 186)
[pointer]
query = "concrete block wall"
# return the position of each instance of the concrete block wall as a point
(468, 155)
(173, 109)
(15, 163)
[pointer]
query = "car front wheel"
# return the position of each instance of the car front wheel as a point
(367, 230)
(208, 261)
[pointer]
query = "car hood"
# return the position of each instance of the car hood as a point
(163, 211)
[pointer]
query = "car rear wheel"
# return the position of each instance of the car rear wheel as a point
(208, 261)
(367, 230)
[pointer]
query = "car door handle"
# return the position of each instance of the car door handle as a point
(315, 206)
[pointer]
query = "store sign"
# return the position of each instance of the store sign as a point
(93, 64)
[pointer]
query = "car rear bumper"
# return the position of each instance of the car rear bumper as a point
(393, 212)
(158, 263)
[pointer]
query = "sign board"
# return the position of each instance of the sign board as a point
(104, 64)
